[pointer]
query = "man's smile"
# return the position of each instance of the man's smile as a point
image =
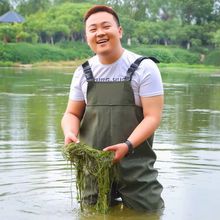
(102, 41)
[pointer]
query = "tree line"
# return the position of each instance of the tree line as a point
(186, 23)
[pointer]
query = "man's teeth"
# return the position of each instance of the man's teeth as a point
(101, 41)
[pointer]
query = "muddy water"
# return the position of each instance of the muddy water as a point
(36, 182)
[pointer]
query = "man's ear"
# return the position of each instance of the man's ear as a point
(120, 31)
(85, 38)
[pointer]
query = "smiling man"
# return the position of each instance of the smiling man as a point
(103, 36)
(115, 104)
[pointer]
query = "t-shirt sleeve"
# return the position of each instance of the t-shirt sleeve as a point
(76, 93)
(150, 80)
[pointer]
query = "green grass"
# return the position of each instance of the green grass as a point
(186, 68)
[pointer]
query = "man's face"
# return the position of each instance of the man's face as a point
(102, 33)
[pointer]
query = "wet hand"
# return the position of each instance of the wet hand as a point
(70, 137)
(120, 151)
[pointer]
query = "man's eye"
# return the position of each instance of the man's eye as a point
(107, 27)
(92, 30)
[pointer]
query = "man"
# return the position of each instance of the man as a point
(115, 104)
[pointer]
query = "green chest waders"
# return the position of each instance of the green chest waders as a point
(110, 117)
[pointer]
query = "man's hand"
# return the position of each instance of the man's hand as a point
(120, 151)
(70, 137)
(71, 121)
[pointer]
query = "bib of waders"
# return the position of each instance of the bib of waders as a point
(110, 117)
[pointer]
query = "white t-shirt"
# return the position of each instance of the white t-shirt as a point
(146, 81)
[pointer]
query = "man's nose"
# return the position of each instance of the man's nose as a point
(100, 32)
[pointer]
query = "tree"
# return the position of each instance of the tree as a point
(4, 6)
(72, 16)
(135, 9)
(28, 7)
(195, 12)
(8, 32)
(183, 22)
(35, 24)
(216, 38)
(128, 26)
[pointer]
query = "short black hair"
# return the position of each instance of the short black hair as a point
(101, 8)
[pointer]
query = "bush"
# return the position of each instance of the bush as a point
(76, 49)
(22, 52)
(213, 58)
(167, 54)
(19, 52)
(6, 64)
(51, 53)
(184, 56)
(30, 53)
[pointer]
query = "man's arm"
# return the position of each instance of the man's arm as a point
(70, 122)
(152, 111)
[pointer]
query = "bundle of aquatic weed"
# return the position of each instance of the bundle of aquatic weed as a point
(98, 164)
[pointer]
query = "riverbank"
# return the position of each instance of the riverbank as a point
(189, 68)
(44, 64)
(164, 67)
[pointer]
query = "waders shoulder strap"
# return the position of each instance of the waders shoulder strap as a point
(87, 71)
(136, 64)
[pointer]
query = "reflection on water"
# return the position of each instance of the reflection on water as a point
(36, 182)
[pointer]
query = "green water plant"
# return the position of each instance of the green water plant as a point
(97, 163)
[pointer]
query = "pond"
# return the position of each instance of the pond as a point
(36, 182)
